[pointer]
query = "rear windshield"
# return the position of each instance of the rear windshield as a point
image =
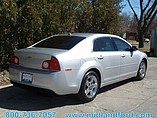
(60, 42)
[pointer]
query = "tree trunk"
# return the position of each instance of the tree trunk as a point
(140, 39)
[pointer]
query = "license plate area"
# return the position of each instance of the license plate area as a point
(26, 77)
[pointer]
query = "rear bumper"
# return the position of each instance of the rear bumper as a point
(31, 88)
(55, 81)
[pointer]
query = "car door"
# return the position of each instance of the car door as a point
(128, 59)
(107, 58)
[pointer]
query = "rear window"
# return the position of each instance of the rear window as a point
(60, 42)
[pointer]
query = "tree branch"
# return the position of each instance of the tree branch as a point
(141, 9)
(147, 5)
(152, 8)
(133, 11)
(150, 21)
(148, 16)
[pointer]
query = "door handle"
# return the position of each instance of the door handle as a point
(123, 55)
(100, 57)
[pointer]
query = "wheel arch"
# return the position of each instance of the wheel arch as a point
(82, 94)
(94, 69)
(97, 72)
(145, 60)
(141, 74)
(85, 68)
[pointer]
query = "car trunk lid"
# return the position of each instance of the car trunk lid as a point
(34, 57)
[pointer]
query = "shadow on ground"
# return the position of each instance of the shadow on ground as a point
(14, 98)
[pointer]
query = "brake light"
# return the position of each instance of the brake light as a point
(14, 59)
(52, 64)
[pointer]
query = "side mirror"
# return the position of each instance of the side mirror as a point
(133, 48)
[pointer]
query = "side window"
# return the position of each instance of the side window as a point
(103, 44)
(121, 45)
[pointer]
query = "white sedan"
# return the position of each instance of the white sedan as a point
(77, 63)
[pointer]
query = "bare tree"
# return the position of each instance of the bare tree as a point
(148, 11)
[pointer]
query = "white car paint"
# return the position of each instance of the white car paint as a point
(113, 66)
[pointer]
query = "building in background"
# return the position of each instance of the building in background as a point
(153, 44)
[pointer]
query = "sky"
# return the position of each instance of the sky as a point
(127, 8)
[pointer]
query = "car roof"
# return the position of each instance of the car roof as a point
(85, 34)
(76, 34)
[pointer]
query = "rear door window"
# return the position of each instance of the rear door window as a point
(103, 44)
(60, 42)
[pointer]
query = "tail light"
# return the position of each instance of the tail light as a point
(14, 59)
(52, 64)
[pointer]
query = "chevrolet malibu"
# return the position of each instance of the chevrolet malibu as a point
(77, 63)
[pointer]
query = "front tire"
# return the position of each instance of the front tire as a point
(141, 71)
(89, 87)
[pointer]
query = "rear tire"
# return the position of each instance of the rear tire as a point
(89, 87)
(141, 71)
